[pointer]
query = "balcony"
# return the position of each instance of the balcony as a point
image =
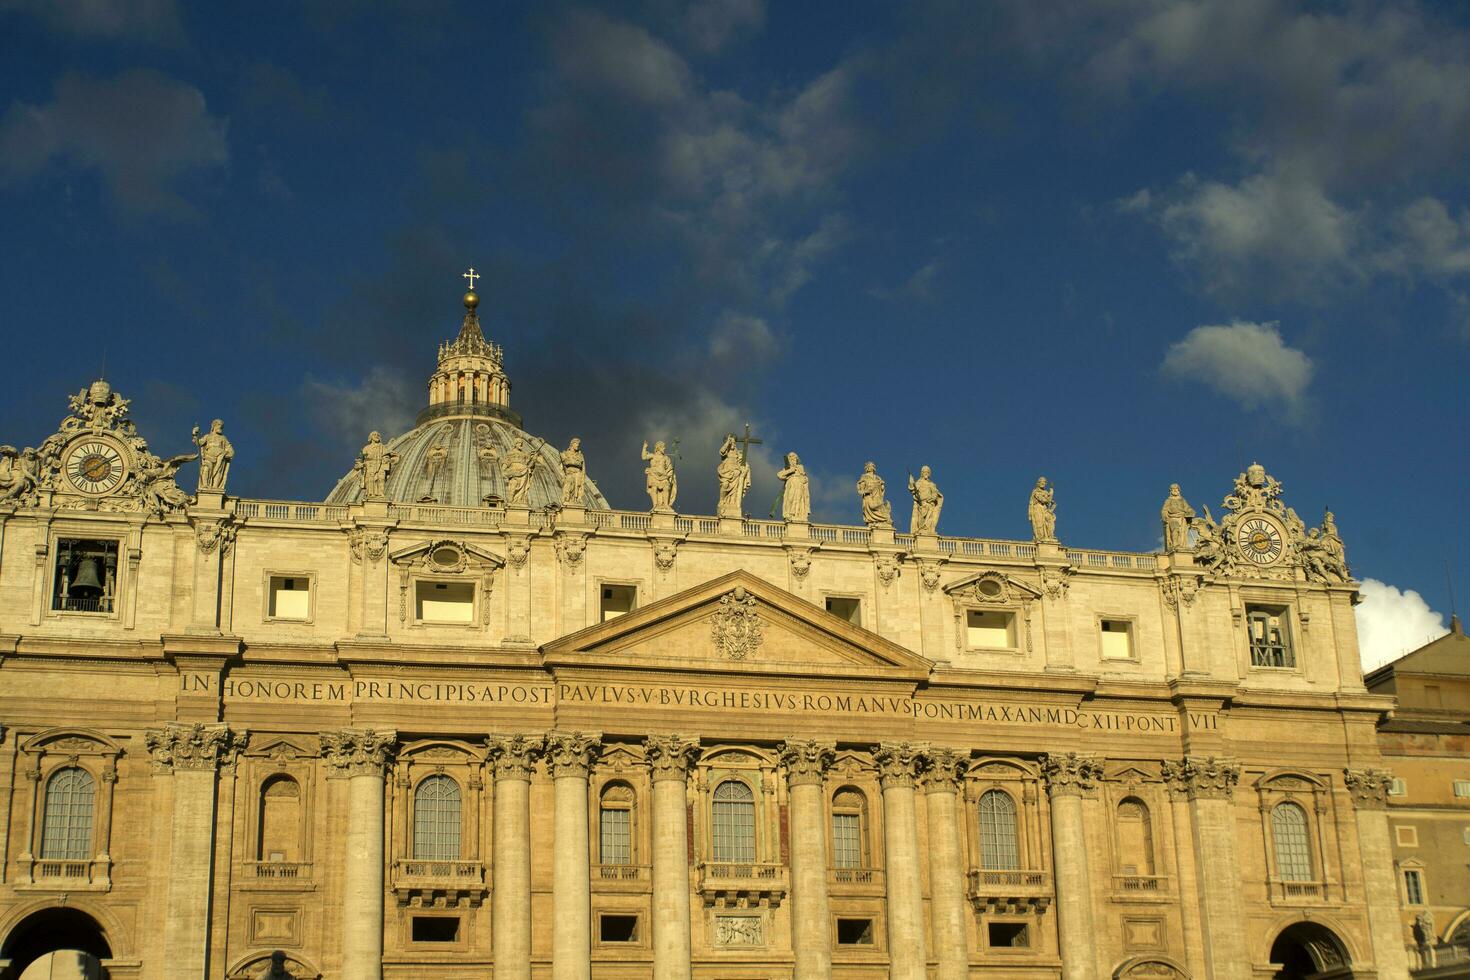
(728, 884)
(1010, 891)
(279, 870)
(634, 879)
(1140, 887)
(48, 874)
(439, 884)
(1298, 892)
(855, 881)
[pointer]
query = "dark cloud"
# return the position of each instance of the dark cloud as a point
(141, 131)
(712, 24)
(136, 20)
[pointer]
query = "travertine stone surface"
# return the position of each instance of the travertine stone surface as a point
(943, 774)
(898, 767)
(811, 929)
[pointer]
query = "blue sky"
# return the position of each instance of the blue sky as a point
(1120, 244)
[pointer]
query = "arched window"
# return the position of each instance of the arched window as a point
(436, 819)
(280, 820)
(849, 829)
(616, 822)
(733, 822)
(1135, 838)
(998, 850)
(1293, 849)
(66, 830)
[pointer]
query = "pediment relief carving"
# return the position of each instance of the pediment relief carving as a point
(1000, 769)
(739, 622)
(70, 741)
(1132, 774)
(991, 588)
(620, 757)
(1288, 780)
(283, 749)
(446, 556)
(723, 758)
(439, 753)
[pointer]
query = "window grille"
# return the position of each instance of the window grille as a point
(66, 831)
(617, 835)
(847, 844)
(1414, 887)
(733, 837)
(1462, 787)
(1293, 850)
(1270, 645)
(436, 820)
(998, 832)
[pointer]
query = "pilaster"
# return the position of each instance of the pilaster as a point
(1369, 790)
(361, 757)
(512, 758)
(806, 764)
(1208, 784)
(569, 756)
(669, 758)
(942, 774)
(1069, 777)
(899, 764)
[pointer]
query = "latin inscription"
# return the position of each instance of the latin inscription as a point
(371, 690)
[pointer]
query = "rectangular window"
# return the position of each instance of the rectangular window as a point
(290, 597)
(617, 838)
(618, 600)
(847, 844)
(1117, 639)
(444, 602)
(1397, 787)
(990, 630)
(854, 932)
(1269, 636)
(1462, 787)
(1406, 836)
(617, 928)
(1007, 935)
(1413, 887)
(846, 607)
(85, 578)
(435, 929)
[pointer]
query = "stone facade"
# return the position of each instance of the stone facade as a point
(390, 738)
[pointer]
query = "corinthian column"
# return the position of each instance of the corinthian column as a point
(898, 765)
(943, 771)
(569, 756)
(191, 754)
(1209, 786)
(1369, 788)
(361, 757)
(811, 931)
(669, 757)
(513, 756)
(1069, 777)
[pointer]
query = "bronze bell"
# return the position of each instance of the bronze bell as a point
(87, 576)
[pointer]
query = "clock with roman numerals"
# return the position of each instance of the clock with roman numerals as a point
(1261, 540)
(95, 466)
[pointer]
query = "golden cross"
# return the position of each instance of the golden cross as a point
(472, 275)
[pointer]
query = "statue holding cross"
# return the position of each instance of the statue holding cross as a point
(734, 474)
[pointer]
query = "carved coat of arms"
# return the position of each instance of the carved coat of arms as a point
(736, 625)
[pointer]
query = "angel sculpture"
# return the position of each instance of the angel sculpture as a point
(156, 484)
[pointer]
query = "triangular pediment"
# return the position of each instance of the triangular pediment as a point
(738, 623)
(991, 586)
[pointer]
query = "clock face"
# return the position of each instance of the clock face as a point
(1260, 540)
(95, 466)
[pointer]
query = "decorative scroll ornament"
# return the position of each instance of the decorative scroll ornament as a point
(1071, 774)
(1369, 787)
(513, 756)
(665, 550)
(1179, 590)
(209, 535)
(1208, 778)
(807, 761)
(517, 550)
(899, 763)
(358, 752)
(736, 625)
(801, 562)
(1055, 582)
(929, 575)
(180, 746)
(887, 568)
(571, 753)
(570, 548)
(670, 756)
(368, 544)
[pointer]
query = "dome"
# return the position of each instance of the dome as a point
(460, 479)
(453, 455)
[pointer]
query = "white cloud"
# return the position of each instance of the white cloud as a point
(141, 131)
(1248, 362)
(711, 24)
(1392, 623)
(621, 59)
(383, 400)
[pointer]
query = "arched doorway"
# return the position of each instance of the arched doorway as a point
(1310, 951)
(72, 933)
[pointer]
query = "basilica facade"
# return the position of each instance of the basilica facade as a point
(462, 718)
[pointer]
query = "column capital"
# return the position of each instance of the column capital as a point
(572, 753)
(899, 762)
(181, 746)
(943, 769)
(1070, 773)
(1369, 787)
(1197, 778)
(670, 756)
(806, 761)
(513, 756)
(358, 751)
